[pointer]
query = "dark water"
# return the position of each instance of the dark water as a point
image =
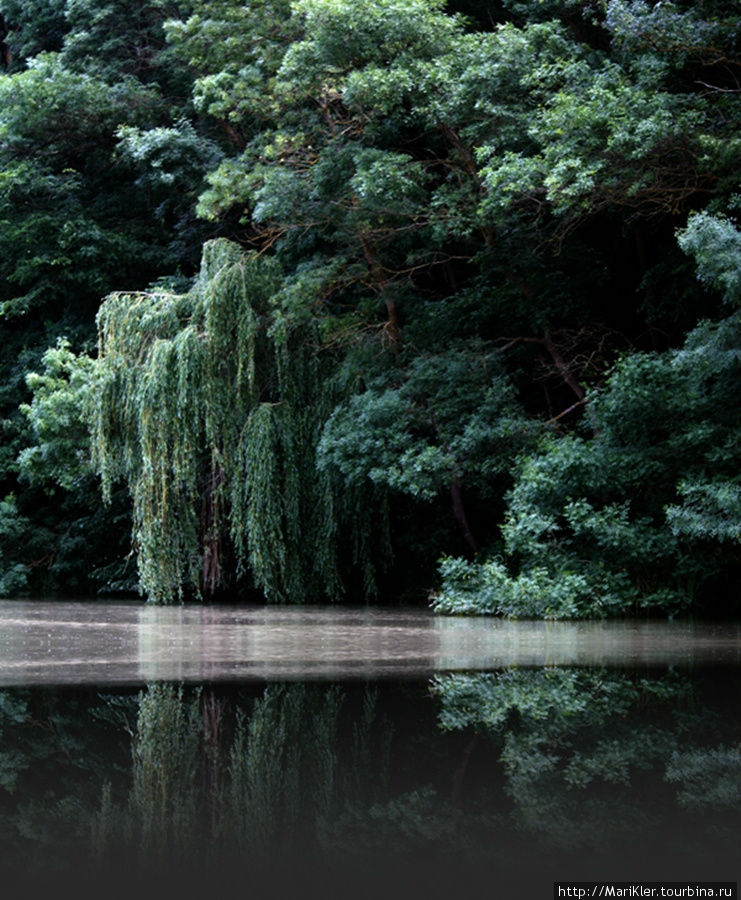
(196, 752)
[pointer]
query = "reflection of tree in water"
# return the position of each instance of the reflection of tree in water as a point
(56, 749)
(207, 774)
(708, 777)
(282, 767)
(591, 756)
(708, 784)
(162, 811)
(261, 775)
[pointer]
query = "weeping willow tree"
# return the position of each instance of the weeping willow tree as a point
(210, 406)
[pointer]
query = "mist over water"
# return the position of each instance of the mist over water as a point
(131, 643)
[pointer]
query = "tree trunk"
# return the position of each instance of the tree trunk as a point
(459, 512)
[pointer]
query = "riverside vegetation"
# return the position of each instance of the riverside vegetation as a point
(402, 299)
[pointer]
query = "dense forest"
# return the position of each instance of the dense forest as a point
(391, 300)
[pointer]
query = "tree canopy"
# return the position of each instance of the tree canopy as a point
(465, 318)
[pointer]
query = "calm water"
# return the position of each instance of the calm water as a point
(268, 753)
(130, 643)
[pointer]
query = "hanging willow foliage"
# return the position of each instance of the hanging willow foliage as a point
(212, 414)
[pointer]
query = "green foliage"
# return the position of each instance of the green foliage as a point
(475, 588)
(72, 226)
(56, 416)
(660, 37)
(622, 132)
(464, 223)
(709, 510)
(236, 49)
(175, 157)
(211, 414)
(585, 550)
(118, 38)
(452, 417)
(603, 142)
(342, 36)
(56, 530)
(80, 218)
(630, 517)
(35, 26)
(13, 574)
(715, 244)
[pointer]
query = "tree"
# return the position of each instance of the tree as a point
(79, 218)
(645, 513)
(471, 215)
(450, 421)
(209, 405)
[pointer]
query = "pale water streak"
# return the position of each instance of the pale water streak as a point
(131, 643)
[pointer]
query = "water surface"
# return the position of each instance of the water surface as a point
(189, 752)
(131, 643)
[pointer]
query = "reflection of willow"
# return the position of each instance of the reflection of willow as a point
(165, 770)
(222, 775)
(282, 766)
(573, 742)
(238, 784)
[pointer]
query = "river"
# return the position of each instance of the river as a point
(270, 752)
